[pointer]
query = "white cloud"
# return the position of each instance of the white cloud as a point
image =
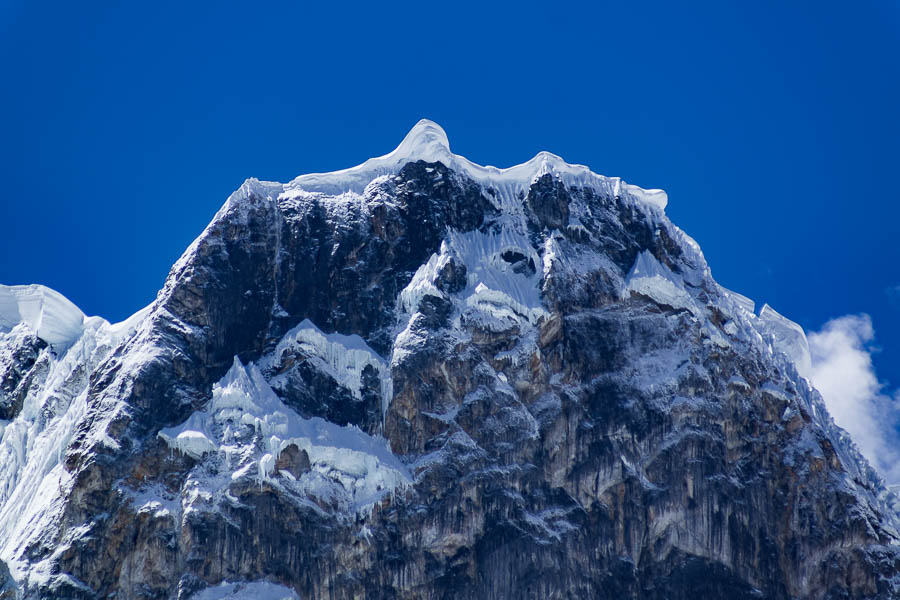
(843, 372)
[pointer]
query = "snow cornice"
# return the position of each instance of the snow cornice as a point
(427, 141)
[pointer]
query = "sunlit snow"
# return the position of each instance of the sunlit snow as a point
(428, 141)
(33, 444)
(246, 426)
(257, 590)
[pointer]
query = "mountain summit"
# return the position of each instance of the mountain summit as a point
(425, 378)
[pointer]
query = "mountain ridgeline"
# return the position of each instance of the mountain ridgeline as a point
(425, 378)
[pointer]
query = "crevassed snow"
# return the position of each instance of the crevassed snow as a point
(428, 141)
(48, 313)
(653, 279)
(343, 357)
(246, 426)
(256, 590)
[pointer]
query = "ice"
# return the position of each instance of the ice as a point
(422, 282)
(257, 590)
(497, 295)
(246, 419)
(493, 285)
(266, 466)
(48, 313)
(788, 337)
(53, 317)
(428, 141)
(343, 357)
(651, 278)
(191, 442)
(740, 300)
(33, 481)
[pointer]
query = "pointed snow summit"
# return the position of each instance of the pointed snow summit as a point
(425, 141)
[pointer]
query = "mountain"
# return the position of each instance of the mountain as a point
(425, 378)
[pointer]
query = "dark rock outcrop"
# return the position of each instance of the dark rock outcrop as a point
(18, 357)
(293, 460)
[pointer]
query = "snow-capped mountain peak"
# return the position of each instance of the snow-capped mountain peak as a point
(427, 141)
(422, 377)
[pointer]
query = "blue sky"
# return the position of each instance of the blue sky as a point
(773, 126)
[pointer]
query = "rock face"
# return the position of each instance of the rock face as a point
(422, 378)
(18, 356)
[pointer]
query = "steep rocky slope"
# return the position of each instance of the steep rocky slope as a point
(424, 378)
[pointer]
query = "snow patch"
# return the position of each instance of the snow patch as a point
(498, 293)
(33, 482)
(246, 426)
(651, 278)
(493, 286)
(257, 590)
(343, 357)
(189, 441)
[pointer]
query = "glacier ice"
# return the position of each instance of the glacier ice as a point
(32, 445)
(54, 318)
(427, 141)
(493, 286)
(788, 337)
(343, 357)
(246, 426)
(742, 301)
(651, 278)
(48, 313)
(257, 590)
